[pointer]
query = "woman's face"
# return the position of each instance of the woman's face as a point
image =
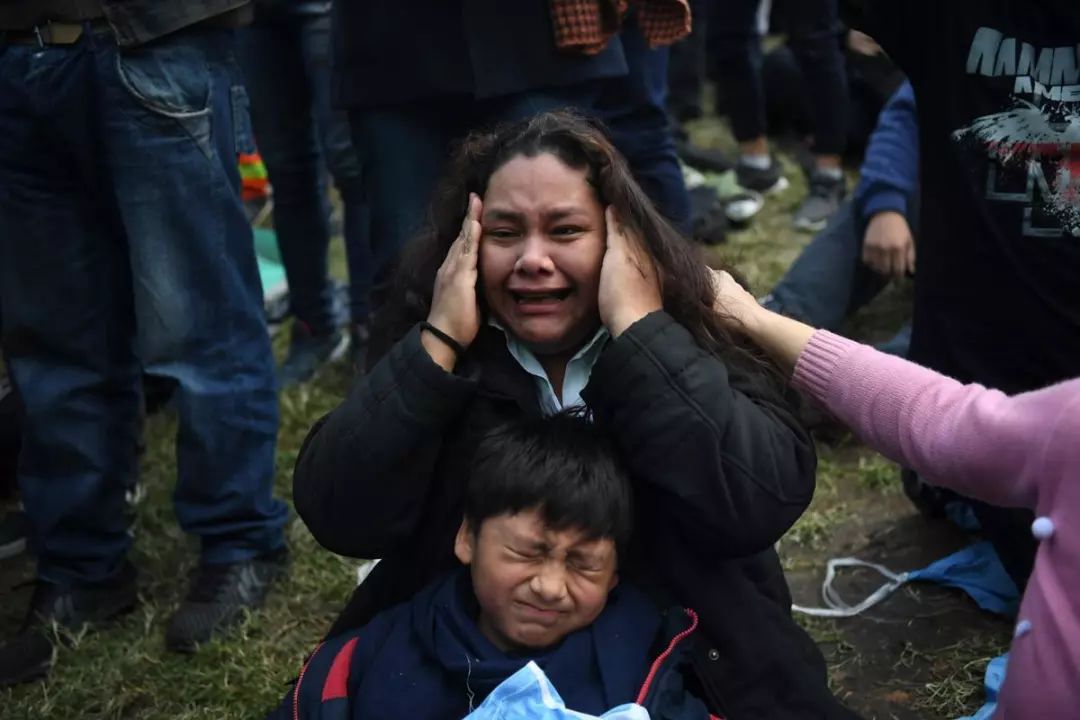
(542, 248)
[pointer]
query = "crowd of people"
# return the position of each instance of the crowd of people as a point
(569, 440)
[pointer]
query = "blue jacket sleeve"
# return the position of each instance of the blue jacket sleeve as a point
(890, 171)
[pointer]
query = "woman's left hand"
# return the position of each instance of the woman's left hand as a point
(629, 285)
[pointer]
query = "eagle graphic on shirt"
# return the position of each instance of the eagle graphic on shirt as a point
(1034, 143)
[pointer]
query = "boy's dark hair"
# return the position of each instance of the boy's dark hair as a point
(563, 465)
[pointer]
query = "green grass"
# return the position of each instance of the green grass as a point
(125, 672)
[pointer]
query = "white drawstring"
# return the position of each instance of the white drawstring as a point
(837, 607)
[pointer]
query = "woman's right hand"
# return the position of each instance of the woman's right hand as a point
(455, 308)
(732, 301)
(783, 338)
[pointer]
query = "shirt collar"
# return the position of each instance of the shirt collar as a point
(578, 369)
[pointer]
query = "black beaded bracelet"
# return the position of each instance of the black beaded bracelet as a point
(453, 344)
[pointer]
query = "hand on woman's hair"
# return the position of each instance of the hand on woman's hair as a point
(629, 283)
(733, 302)
(783, 338)
(455, 309)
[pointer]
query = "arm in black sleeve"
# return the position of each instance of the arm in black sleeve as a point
(735, 465)
(364, 469)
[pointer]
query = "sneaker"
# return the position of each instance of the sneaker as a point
(219, 596)
(29, 655)
(12, 534)
(823, 200)
(309, 352)
(769, 180)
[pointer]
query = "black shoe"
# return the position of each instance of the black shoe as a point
(823, 200)
(12, 534)
(29, 655)
(707, 159)
(219, 596)
(763, 181)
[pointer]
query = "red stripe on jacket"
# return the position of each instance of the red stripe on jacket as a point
(337, 680)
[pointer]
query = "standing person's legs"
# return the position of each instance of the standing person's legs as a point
(815, 42)
(734, 51)
(175, 115)
(402, 149)
(277, 71)
(336, 142)
(67, 334)
(814, 39)
(635, 109)
(686, 68)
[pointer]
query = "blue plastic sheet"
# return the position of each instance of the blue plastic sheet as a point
(978, 571)
(529, 695)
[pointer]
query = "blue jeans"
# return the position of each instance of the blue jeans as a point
(828, 282)
(124, 246)
(286, 63)
(634, 107)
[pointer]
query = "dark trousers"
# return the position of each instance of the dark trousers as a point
(734, 50)
(123, 247)
(634, 108)
(286, 63)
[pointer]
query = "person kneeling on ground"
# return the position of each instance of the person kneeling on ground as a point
(547, 523)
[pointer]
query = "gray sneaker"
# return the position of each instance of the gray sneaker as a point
(821, 202)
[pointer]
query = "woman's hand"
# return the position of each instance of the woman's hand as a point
(733, 301)
(783, 338)
(629, 285)
(454, 306)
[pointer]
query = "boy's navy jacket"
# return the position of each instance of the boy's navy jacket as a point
(428, 659)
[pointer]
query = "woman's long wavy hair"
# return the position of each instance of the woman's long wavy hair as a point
(688, 293)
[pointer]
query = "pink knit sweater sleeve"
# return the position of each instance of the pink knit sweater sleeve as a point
(979, 442)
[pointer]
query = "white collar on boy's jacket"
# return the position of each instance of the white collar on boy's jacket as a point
(577, 374)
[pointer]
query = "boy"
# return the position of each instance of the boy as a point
(547, 513)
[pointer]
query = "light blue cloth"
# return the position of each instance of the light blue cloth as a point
(978, 571)
(577, 374)
(529, 695)
(995, 676)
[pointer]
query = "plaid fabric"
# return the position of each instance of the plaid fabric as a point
(586, 26)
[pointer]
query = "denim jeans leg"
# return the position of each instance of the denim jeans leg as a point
(175, 112)
(335, 140)
(821, 286)
(68, 322)
(402, 150)
(272, 56)
(635, 109)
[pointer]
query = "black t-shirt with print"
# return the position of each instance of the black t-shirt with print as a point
(997, 86)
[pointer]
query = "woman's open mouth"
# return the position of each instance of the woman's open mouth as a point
(539, 297)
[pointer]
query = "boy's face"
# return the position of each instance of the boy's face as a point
(535, 585)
